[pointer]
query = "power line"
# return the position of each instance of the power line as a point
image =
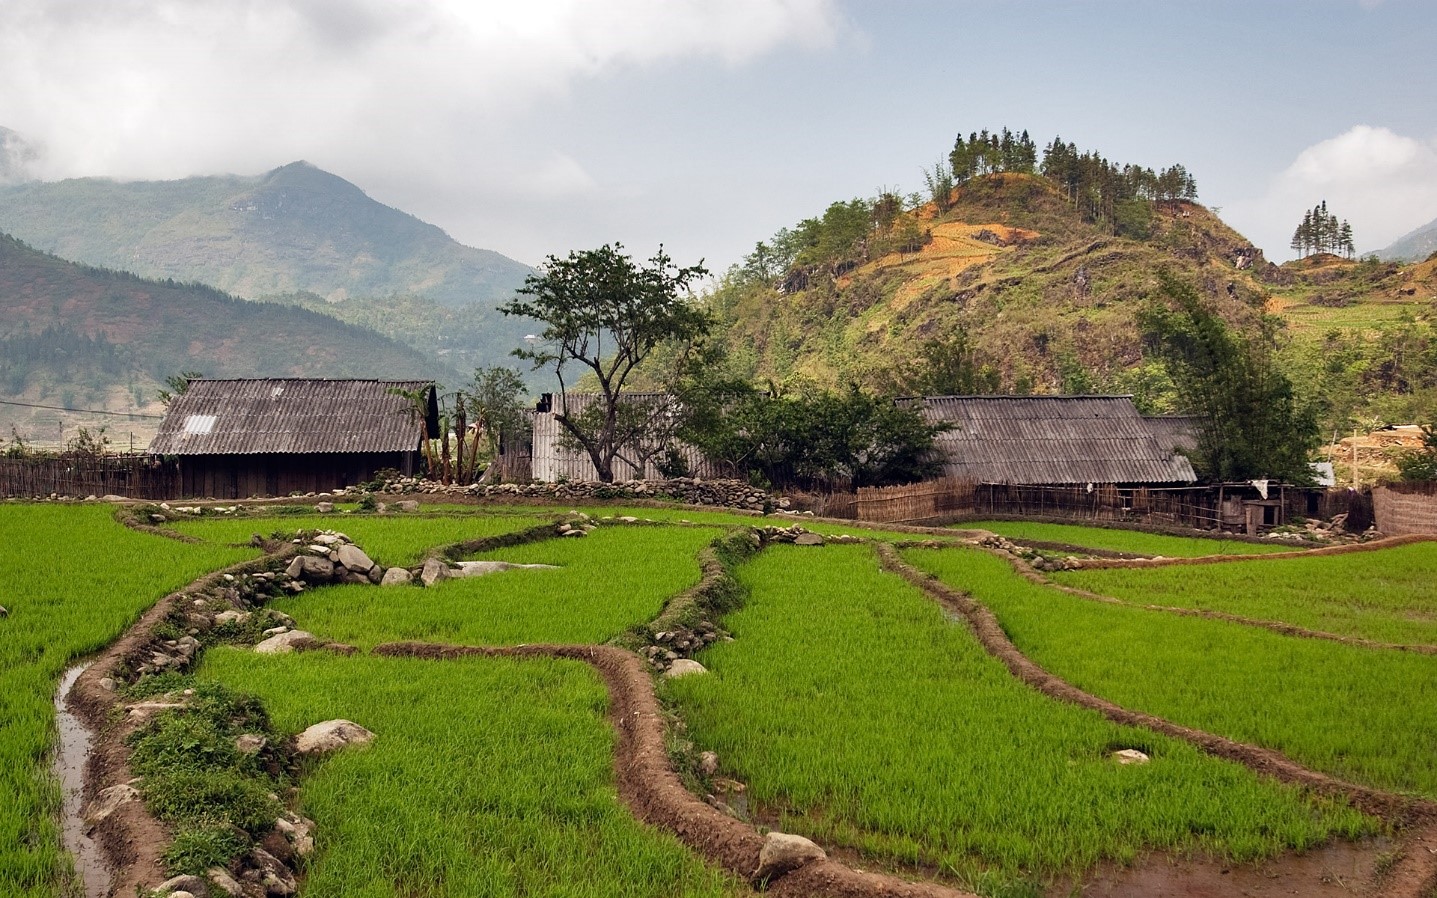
(82, 411)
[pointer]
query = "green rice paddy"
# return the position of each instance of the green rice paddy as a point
(1386, 596)
(73, 580)
(1135, 542)
(1365, 715)
(859, 714)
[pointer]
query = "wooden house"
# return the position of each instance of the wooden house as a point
(554, 457)
(234, 439)
(1051, 441)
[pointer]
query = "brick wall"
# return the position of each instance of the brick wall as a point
(1405, 508)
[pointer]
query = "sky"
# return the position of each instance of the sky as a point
(535, 127)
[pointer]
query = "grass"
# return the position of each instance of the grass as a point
(859, 714)
(1364, 715)
(1388, 596)
(486, 777)
(1117, 540)
(73, 581)
(389, 539)
(697, 516)
(613, 579)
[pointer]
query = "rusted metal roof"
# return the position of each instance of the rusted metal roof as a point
(1050, 440)
(292, 416)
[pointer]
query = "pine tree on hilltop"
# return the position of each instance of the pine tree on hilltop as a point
(1321, 232)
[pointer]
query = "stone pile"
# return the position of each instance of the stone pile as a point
(798, 536)
(690, 490)
(681, 643)
(1036, 559)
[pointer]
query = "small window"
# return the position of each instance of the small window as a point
(199, 423)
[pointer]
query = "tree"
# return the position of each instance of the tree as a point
(606, 314)
(177, 383)
(1251, 425)
(493, 401)
(1421, 464)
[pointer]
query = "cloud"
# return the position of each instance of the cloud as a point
(1384, 183)
(165, 88)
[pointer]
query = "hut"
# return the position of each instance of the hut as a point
(1051, 441)
(654, 457)
(275, 436)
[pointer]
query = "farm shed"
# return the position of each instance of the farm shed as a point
(554, 461)
(271, 437)
(1050, 440)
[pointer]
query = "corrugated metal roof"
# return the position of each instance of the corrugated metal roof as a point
(1179, 432)
(289, 416)
(1050, 440)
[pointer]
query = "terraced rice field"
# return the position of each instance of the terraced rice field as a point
(1134, 542)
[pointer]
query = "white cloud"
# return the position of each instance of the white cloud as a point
(165, 88)
(1384, 183)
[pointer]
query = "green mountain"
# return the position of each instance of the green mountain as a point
(82, 337)
(294, 229)
(1413, 246)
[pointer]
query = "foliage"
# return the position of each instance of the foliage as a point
(1251, 425)
(1358, 714)
(604, 313)
(1395, 586)
(1421, 464)
(495, 405)
(177, 384)
(57, 614)
(890, 731)
(1320, 232)
(947, 366)
(983, 153)
(811, 440)
(1103, 192)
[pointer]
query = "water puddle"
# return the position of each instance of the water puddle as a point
(71, 752)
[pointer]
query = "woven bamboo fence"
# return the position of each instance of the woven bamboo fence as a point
(132, 476)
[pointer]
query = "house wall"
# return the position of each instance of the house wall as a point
(243, 476)
(552, 462)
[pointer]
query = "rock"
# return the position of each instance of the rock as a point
(407, 505)
(433, 571)
(808, 539)
(1130, 756)
(396, 576)
(331, 735)
(324, 507)
(178, 886)
(250, 743)
(107, 802)
(783, 853)
(275, 631)
(480, 568)
(685, 667)
(111, 497)
(283, 643)
(273, 875)
(353, 557)
(299, 831)
(708, 763)
(232, 617)
(312, 569)
(107, 684)
(576, 532)
(222, 880)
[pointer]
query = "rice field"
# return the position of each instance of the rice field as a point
(615, 578)
(1135, 542)
(1364, 715)
(1386, 596)
(389, 539)
(73, 581)
(858, 714)
(486, 777)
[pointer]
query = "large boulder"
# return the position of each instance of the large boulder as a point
(433, 571)
(331, 735)
(284, 643)
(353, 557)
(783, 853)
(396, 576)
(310, 568)
(685, 667)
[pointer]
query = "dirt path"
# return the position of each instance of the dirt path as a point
(1414, 873)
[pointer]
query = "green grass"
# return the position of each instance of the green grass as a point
(613, 579)
(1369, 716)
(722, 518)
(863, 716)
(486, 777)
(1388, 596)
(73, 581)
(390, 539)
(1118, 540)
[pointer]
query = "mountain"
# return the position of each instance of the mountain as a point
(82, 337)
(1413, 246)
(16, 157)
(294, 229)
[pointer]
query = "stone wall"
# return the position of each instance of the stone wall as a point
(1405, 508)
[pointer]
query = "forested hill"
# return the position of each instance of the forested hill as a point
(76, 336)
(296, 229)
(1003, 276)
(1413, 246)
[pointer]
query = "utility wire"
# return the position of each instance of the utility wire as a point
(82, 411)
